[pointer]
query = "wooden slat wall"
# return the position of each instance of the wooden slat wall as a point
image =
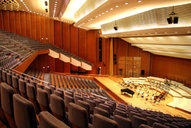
(12, 21)
(77, 41)
(171, 68)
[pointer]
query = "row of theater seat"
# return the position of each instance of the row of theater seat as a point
(82, 110)
(17, 43)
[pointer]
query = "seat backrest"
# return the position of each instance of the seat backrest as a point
(144, 126)
(84, 105)
(57, 105)
(159, 125)
(105, 107)
(31, 92)
(101, 111)
(123, 122)
(77, 116)
(42, 98)
(15, 82)
(151, 121)
(119, 112)
(67, 100)
(136, 121)
(7, 99)
(46, 120)
(76, 98)
(22, 86)
(103, 122)
(58, 93)
(9, 79)
(24, 112)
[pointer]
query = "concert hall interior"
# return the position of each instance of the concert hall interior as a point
(95, 63)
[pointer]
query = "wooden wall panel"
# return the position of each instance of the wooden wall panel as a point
(66, 43)
(33, 26)
(115, 52)
(6, 20)
(38, 27)
(133, 51)
(43, 35)
(12, 21)
(51, 31)
(91, 49)
(23, 23)
(74, 40)
(28, 25)
(171, 68)
(145, 62)
(107, 56)
(82, 44)
(47, 30)
(18, 23)
(1, 20)
(58, 34)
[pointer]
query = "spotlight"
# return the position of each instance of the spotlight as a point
(172, 17)
(115, 28)
(175, 20)
(46, 3)
(169, 20)
(46, 10)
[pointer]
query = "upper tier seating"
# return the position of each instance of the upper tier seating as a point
(24, 47)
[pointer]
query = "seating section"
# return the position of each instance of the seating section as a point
(24, 47)
(95, 111)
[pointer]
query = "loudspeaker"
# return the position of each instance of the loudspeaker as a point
(169, 20)
(142, 72)
(100, 49)
(175, 20)
(115, 59)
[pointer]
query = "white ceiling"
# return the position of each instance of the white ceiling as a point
(141, 23)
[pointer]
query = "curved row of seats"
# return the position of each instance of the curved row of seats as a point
(82, 110)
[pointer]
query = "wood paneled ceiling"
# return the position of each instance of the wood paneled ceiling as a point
(136, 20)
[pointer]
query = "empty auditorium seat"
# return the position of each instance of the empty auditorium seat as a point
(42, 98)
(171, 125)
(105, 107)
(46, 120)
(101, 111)
(4, 76)
(9, 79)
(151, 121)
(57, 107)
(77, 116)
(67, 100)
(7, 104)
(22, 87)
(100, 121)
(144, 126)
(2, 115)
(31, 94)
(159, 125)
(123, 122)
(136, 121)
(76, 98)
(15, 83)
(58, 93)
(121, 113)
(24, 112)
(86, 106)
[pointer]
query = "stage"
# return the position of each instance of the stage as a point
(171, 105)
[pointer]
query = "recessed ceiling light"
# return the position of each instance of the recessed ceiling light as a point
(107, 11)
(111, 8)
(103, 13)
(139, 1)
(116, 6)
(99, 14)
(188, 32)
(126, 3)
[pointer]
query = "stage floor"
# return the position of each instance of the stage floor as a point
(110, 84)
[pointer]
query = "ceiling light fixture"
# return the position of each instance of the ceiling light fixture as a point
(116, 6)
(126, 3)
